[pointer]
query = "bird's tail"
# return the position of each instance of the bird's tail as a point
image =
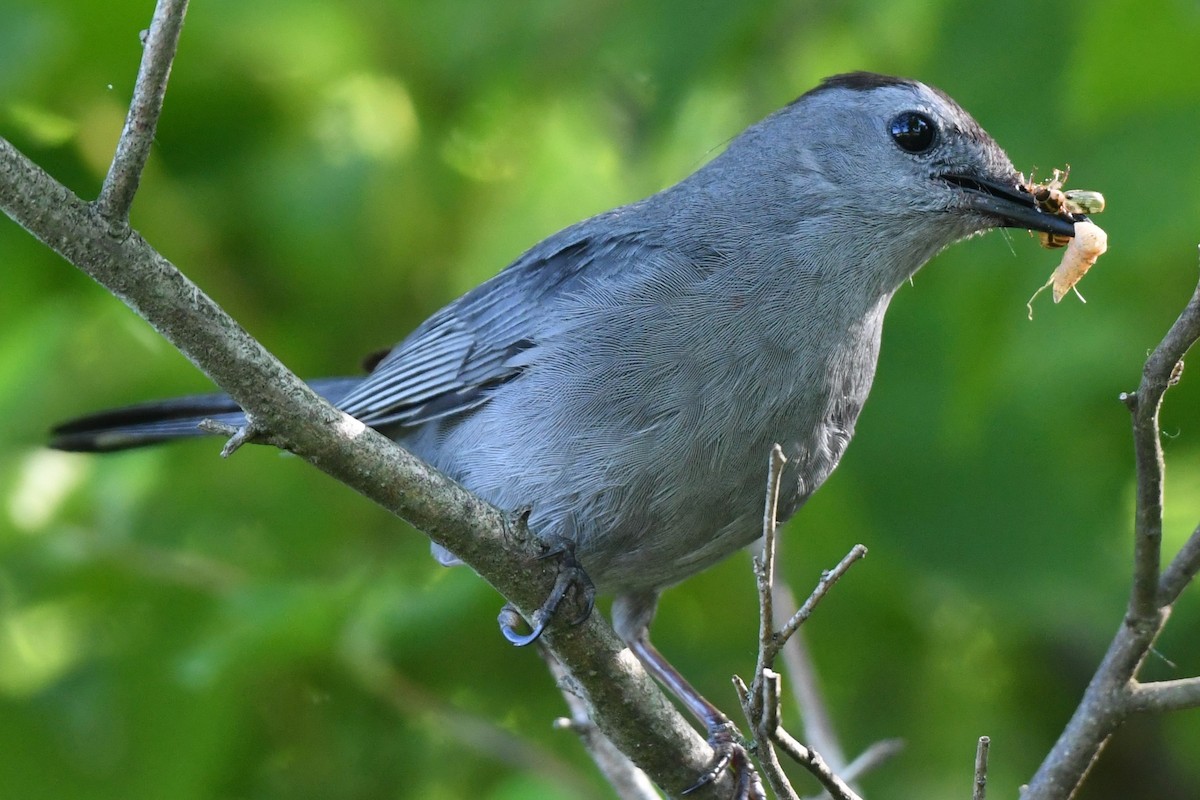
(164, 420)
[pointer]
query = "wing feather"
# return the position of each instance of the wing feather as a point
(486, 338)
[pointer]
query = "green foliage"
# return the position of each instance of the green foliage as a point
(173, 625)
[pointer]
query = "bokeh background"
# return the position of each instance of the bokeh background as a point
(173, 625)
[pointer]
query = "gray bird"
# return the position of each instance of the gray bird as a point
(625, 378)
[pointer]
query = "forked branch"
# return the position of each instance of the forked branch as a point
(1114, 691)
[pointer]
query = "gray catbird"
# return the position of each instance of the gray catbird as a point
(625, 379)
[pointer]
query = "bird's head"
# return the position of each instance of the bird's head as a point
(890, 160)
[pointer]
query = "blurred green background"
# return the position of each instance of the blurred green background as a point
(177, 626)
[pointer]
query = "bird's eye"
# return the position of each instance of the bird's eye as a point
(914, 132)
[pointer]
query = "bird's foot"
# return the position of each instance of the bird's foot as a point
(729, 753)
(571, 575)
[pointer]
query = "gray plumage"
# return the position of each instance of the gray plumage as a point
(626, 377)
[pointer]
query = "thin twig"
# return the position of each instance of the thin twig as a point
(1161, 371)
(1113, 692)
(828, 579)
(819, 730)
(871, 758)
(764, 565)
(811, 760)
(1180, 572)
(760, 702)
(981, 768)
(1160, 696)
(765, 728)
(239, 435)
(133, 149)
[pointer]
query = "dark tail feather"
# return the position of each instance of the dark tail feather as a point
(164, 420)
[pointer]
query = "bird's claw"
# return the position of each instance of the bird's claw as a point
(510, 619)
(728, 753)
(570, 576)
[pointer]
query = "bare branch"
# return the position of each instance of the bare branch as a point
(811, 760)
(871, 758)
(1181, 571)
(760, 702)
(625, 702)
(814, 714)
(981, 768)
(1113, 692)
(629, 782)
(1148, 459)
(133, 148)
(1163, 696)
(764, 726)
(828, 579)
(1162, 370)
(764, 565)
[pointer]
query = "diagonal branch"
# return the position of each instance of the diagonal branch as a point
(1160, 696)
(818, 725)
(760, 700)
(828, 579)
(1180, 572)
(133, 148)
(626, 780)
(625, 703)
(1113, 692)
(1162, 370)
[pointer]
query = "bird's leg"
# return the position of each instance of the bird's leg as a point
(728, 752)
(632, 613)
(570, 576)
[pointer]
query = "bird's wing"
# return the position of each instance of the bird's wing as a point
(488, 336)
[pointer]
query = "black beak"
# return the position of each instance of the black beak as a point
(1012, 205)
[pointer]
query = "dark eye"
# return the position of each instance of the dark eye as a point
(915, 133)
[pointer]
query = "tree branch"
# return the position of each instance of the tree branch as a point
(802, 674)
(811, 760)
(828, 579)
(625, 703)
(133, 148)
(1162, 696)
(1163, 369)
(1180, 572)
(1113, 692)
(760, 701)
(629, 782)
(979, 790)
